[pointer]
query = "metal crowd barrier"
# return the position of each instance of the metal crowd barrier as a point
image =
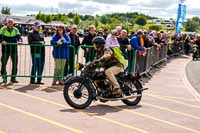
(23, 60)
(136, 63)
(153, 57)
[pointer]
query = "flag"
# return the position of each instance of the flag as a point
(181, 15)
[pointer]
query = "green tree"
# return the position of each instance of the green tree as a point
(55, 18)
(103, 19)
(43, 17)
(96, 23)
(71, 15)
(154, 27)
(196, 19)
(5, 10)
(59, 16)
(141, 20)
(191, 26)
(64, 19)
(48, 18)
(38, 16)
(76, 19)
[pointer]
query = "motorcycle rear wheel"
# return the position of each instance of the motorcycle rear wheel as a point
(136, 101)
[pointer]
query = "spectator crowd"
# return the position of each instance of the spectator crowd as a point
(64, 37)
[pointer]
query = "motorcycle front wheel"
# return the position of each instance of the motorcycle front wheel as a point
(77, 93)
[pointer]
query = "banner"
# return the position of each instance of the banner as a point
(181, 15)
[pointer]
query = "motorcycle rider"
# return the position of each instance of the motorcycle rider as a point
(105, 57)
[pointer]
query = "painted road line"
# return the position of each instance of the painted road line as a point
(34, 85)
(1, 131)
(170, 110)
(178, 98)
(188, 85)
(174, 101)
(119, 123)
(172, 97)
(84, 112)
(122, 124)
(41, 118)
(159, 120)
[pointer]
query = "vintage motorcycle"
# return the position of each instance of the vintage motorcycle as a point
(92, 85)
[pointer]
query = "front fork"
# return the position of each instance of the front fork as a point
(91, 86)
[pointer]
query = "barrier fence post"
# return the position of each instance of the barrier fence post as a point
(162, 53)
(140, 63)
(73, 58)
(88, 54)
(154, 54)
(132, 61)
(151, 57)
(165, 50)
(148, 59)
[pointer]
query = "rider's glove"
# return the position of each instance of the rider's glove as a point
(97, 61)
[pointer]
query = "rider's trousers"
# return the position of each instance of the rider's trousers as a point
(111, 72)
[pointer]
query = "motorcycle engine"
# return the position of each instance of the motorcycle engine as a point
(105, 88)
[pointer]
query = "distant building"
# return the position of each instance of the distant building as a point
(17, 19)
(154, 21)
(170, 27)
(161, 21)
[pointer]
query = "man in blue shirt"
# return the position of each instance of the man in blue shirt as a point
(136, 44)
(135, 41)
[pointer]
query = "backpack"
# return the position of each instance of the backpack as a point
(119, 56)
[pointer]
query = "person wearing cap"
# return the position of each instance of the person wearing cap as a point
(111, 40)
(9, 34)
(136, 41)
(76, 43)
(36, 41)
(89, 52)
(60, 42)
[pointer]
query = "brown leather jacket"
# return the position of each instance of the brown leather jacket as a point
(107, 58)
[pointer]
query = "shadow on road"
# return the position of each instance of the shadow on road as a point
(49, 89)
(24, 89)
(52, 89)
(100, 110)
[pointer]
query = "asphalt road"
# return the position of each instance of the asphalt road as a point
(169, 106)
(193, 73)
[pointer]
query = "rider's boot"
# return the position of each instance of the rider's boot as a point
(117, 92)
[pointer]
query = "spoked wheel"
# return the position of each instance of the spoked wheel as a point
(77, 94)
(135, 86)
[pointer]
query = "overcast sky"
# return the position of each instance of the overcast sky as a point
(158, 8)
